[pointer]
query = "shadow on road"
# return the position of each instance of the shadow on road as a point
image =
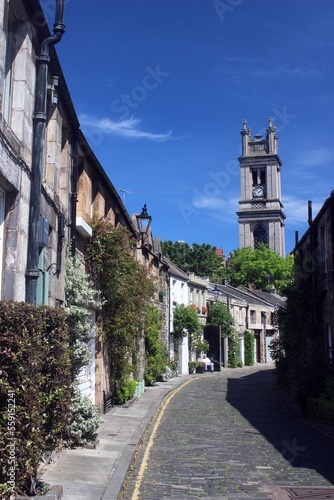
(266, 408)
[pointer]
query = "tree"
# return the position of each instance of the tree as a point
(201, 260)
(219, 314)
(185, 323)
(178, 253)
(260, 269)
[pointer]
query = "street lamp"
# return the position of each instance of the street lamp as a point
(216, 293)
(144, 221)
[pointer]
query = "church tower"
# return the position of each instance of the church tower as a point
(260, 215)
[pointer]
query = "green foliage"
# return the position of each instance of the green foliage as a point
(323, 406)
(201, 260)
(125, 392)
(185, 323)
(259, 269)
(156, 356)
(35, 386)
(233, 349)
(79, 293)
(299, 362)
(249, 346)
(321, 409)
(201, 346)
(84, 421)
(219, 314)
(127, 290)
(328, 392)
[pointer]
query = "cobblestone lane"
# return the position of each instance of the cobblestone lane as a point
(229, 435)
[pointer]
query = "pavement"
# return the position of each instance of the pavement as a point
(98, 473)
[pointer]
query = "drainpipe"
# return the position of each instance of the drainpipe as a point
(39, 124)
(74, 194)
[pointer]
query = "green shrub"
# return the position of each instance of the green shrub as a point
(322, 409)
(125, 392)
(233, 349)
(84, 421)
(323, 406)
(328, 392)
(35, 388)
(249, 347)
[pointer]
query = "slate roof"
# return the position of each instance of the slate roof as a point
(175, 271)
(271, 298)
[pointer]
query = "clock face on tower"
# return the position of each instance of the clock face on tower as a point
(258, 192)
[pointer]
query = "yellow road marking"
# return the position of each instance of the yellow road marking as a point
(162, 408)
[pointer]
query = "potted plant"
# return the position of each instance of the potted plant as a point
(192, 365)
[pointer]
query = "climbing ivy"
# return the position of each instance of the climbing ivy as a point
(298, 351)
(249, 347)
(156, 355)
(233, 350)
(127, 290)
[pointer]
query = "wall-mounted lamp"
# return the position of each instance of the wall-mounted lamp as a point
(52, 88)
(216, 292)
(144, 221)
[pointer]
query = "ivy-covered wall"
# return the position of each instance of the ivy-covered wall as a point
(127, 291)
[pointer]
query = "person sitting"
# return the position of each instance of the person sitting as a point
(208, 365)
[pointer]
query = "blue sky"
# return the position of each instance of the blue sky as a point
(161, 88)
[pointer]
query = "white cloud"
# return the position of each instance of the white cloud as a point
(129, 128)
(285, 71)
(317, 156)
(296, 210)
(220, 208)
(209, 203)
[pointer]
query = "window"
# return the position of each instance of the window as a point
(259, 177)
(330, 342)
(42, 293)
(240, 317)
(2, 217)
(252, 316)
(260, 236)
(9, 61)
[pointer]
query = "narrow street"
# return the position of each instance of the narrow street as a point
(232, 435)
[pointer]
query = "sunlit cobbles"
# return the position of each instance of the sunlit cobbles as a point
(228, 436)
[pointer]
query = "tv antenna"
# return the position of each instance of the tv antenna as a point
(124, 191)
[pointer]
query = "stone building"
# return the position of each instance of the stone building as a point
(37, 142)
(260, 216)
(251, 310)
(188, 290)
(51, 183)
(314, 253)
